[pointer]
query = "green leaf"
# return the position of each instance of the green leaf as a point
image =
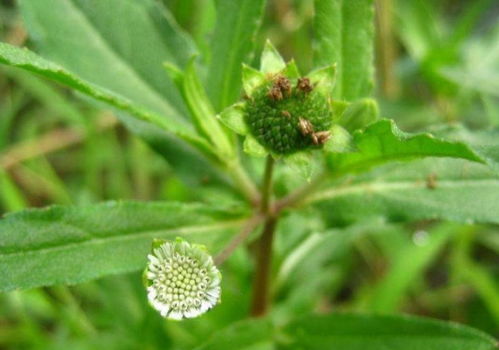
(11, 197)
(291, 70)
(201, 109)
(253, 147)
(382, 142)
(301, 163)
(344, 34)
(449, 189)
(484, 143)
(253, 334)
(108, 48)
(67, 245)
(252, 79)
(189, 163)
(484, 283)
(29, 61)
(359, 114)
(420, 27)
(271, 60)
(407, 267)
(232, 44)
(340, 140)
(356, 332)
(324, 78)
(233, 118)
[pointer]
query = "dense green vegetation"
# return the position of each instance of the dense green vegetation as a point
(121, 123)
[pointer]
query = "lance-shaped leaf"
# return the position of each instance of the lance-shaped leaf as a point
(67, 245)
(107, 49)
(485, 143)
(434, 188)
(233, 44)
(252, 334)
(382, 142)
(271, 60)
(200, 107)
(117, 44)
(359, 114)
(353, 332)
(29, 61)
(344, 33)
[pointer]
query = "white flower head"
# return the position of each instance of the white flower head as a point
(182, 280)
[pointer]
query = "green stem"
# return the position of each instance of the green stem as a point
(267, 185)
(261, 284)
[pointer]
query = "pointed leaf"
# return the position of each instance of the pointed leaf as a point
(359, 114)
(340, 140)
(434, 188)
(382, 142)
(29, 61)
(251, 334)
(232, 44)
(201, 109)
(291, 70)
(233, 118)
(354, 331)
(324, 78)
(67, 245)
(344, 34)
(485, 143)
(271, 60)
(302, 163)
(253, 147)
(252, 79)
(107, 48)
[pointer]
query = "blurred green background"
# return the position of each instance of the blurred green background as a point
(437, 62)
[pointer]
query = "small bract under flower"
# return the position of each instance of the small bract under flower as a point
(182, 280)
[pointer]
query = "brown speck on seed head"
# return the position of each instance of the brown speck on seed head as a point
(283, 84)
(304, 85)
(286, 114)
(247, 97)
(275, 93)
(320, 137)
(306, 128)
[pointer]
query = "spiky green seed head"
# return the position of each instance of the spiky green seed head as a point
(288, 115)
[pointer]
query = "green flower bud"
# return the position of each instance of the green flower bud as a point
(288, 115)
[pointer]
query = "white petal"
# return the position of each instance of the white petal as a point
(175, 315)
(153, 259)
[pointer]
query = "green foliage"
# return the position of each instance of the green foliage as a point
(427, 189)
(245, 335)
(25, 59)
(410, 261)
(68, 245)
(232, 44)
(383, 142)
(369, 233)
(344, 34)
(353, 332)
